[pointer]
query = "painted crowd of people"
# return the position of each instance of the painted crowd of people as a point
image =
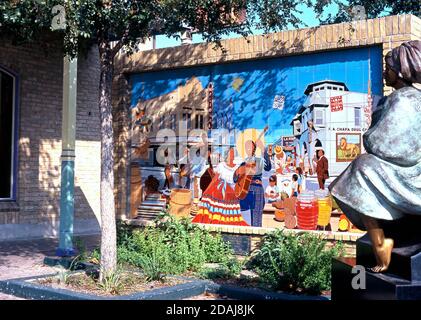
(219, 203)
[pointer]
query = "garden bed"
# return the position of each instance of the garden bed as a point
(40, 288)
(175, 259)
(43, 288)
(130, 283)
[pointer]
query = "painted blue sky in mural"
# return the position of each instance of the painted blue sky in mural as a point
(244, 92)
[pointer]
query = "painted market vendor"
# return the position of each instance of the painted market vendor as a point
(385, 183)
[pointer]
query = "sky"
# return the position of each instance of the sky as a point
(308, 16)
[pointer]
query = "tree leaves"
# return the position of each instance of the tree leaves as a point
(127, 21)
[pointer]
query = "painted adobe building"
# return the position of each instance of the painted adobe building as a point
(188, 102)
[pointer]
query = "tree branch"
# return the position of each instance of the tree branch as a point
(120, 43)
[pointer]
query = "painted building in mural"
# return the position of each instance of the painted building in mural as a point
(181, 110)
(332, 118)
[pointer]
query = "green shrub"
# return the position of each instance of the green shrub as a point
(63, 275)
(229, 270)
(171, 247)
(81, 249)
(295, 261)
(151, 266)
(124, 232)
(95, 255)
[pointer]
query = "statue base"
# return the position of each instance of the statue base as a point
(378, 286)
(402, 281)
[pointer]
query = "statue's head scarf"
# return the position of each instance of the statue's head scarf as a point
(405, 60)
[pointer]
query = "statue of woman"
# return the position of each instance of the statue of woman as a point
(385, 183)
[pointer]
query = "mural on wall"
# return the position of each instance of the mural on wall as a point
(276, 112)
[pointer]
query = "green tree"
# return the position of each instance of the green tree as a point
(366, 9)
(113, 24)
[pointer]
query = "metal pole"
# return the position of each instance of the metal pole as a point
(68, 157)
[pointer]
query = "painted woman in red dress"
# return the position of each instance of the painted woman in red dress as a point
(219, 204)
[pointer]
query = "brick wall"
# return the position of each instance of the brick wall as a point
(387, 32)
(40, 67)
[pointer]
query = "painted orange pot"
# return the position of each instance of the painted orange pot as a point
(306, 208)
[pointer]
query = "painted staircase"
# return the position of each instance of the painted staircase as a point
(151, 207)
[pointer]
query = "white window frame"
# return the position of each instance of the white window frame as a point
(297, 127)
(359, 117)
(316, 113)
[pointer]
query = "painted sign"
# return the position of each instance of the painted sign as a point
(348, 146)
(368, 110)
(336, 104)
(279, 102)
(288, 141)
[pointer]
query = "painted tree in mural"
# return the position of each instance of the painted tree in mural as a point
(113, 24)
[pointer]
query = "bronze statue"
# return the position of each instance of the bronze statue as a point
(385, 183)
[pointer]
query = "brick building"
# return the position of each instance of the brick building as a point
(31, 82)
(31, 99)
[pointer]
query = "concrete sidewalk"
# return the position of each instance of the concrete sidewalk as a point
(25, 258)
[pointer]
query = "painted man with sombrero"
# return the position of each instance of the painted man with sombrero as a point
(279, 160)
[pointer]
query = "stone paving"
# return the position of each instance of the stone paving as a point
(25, 258)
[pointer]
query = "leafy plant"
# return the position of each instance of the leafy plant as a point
(81, 249)
(235, 266)
(295, 262)
(111, 282)
(171, 247)
(123, 232)
(228, 270)
(63, 275)
(95, 256)
(151, 268)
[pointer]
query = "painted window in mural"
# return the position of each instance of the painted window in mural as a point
(200, 122)
(187, 120)
(319, 117)
(243, 142)
(357, 116)
(7, 101)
